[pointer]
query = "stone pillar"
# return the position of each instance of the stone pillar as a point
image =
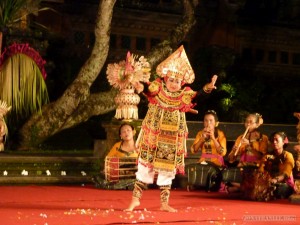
(100, 148)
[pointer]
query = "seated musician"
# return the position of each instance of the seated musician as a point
(122, 149)
(125, 147)
(248, 148)
(280, 164)
(211, 141)
(120, 162)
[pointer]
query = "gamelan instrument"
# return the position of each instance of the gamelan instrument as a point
(205, 175)
(117, 168)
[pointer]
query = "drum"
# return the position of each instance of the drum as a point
(256, 184)
(116, 168)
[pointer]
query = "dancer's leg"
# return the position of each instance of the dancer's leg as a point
(164, 199)
(139, 187)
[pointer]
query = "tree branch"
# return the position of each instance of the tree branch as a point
(177, 35)
(96, 104)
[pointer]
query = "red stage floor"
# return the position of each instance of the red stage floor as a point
(79, 205)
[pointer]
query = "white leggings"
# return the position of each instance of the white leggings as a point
(146, 175)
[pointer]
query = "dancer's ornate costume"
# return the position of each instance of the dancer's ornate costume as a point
(162, 141)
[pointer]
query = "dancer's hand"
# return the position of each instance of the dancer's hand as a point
(213, 82)
(297, 115)
(211, 86)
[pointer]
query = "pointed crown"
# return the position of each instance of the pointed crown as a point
(177, 65)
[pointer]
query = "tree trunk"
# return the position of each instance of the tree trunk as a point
(77, 105)
(56, 115)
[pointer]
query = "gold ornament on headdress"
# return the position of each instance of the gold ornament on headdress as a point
(177, 65)
(129, 72)
(4, 108)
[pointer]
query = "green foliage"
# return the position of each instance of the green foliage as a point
(13, 11)
(10, 12)
(227, 102)
(22, 85)
(228, 88)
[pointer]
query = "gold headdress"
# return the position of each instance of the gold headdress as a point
(4, 108)
(177, 65)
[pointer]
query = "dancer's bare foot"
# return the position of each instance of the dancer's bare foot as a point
(135, 202)
(167, 208)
